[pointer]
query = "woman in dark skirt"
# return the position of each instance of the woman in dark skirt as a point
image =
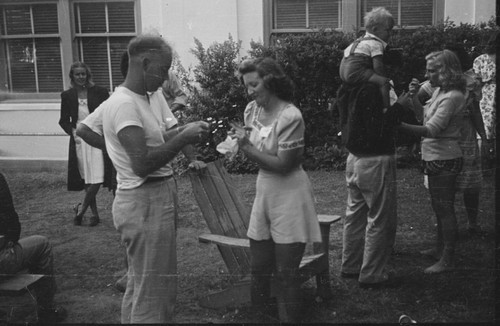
(85, 163)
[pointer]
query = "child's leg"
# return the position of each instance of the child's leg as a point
(383, 84)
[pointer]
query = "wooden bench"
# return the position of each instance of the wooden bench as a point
(227, 218)
(17, 303)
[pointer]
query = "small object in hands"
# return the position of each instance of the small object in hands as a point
(228, 147)
(406, 320)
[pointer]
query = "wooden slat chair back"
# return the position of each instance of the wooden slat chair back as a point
(227, 218)
(224, 213)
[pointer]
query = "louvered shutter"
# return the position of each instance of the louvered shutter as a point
(18, 20)
(416, 13)
(92, 17)
(118, 45)
(35, 62)
(48, 59)
(290, 14)
(121, 17)
(413, 13)
(95, 55)
(22, 66)
(324, 14)
(102, 53)
(45, 19)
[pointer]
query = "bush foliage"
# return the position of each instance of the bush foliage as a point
(312, 61)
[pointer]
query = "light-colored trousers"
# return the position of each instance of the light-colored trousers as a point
(146, 219)
(371, 216)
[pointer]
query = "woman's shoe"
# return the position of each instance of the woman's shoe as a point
(77, 219)
(94, 220)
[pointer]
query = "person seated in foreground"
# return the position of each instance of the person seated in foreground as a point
(33, 253)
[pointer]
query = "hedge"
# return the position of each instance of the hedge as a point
(312, 61)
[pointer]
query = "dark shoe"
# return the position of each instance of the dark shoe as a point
(121, 284)
(77, 219)
(349, 275)
(52, 315)
(390, 283)
(94, 220)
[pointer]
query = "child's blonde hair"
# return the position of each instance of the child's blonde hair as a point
(378, 16)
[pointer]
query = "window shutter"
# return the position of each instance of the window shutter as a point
(18, 20)
(290, 14)
(92, 17)
(22, 65)
(324, 13)
(118, 45)
(415, 13)
(95, 55)
(119, 12)
(48, 60)
(45, 19)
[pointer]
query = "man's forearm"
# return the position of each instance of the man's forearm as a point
(90, 137)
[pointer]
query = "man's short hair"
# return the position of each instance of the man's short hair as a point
(149, 44)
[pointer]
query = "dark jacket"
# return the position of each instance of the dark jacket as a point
(69, 117)
(9, 220)
(366, 129)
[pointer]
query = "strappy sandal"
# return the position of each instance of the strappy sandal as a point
(77, 219)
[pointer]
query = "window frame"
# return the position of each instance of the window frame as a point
(299, 30)
(31, 38)
(69, 47)
(78, 36)
(351, 18)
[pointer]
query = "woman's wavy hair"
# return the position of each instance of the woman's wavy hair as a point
(79, 64)
(275, 79)
(449, 69)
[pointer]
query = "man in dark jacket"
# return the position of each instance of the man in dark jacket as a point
(33, 253)
(371, 214)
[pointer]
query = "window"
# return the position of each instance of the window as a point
(102, 32)
(303, 15)
(30, 39)
(405, 13)
(40, 39)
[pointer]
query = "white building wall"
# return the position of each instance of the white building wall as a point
(469, 11)
(180, 21)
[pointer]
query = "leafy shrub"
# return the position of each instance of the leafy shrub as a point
(312, 60)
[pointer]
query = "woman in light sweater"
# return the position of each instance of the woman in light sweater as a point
(441, 153)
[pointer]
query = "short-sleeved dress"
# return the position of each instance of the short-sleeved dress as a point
(283, 209)
(485, 68)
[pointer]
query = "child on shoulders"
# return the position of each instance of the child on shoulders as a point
(363, 59)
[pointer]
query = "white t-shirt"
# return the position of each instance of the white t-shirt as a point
(125, 108)
(157, 102)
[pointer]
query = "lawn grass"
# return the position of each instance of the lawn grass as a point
(88, 260)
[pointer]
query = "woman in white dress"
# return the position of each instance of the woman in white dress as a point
(85, 163)
(283, 217)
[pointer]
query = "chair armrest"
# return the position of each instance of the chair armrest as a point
(224, 241)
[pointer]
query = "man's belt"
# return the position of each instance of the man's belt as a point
(156, 179)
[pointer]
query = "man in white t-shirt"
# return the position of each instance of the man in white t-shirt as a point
(145, 205)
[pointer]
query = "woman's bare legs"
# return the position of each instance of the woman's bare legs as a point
(90, 201)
